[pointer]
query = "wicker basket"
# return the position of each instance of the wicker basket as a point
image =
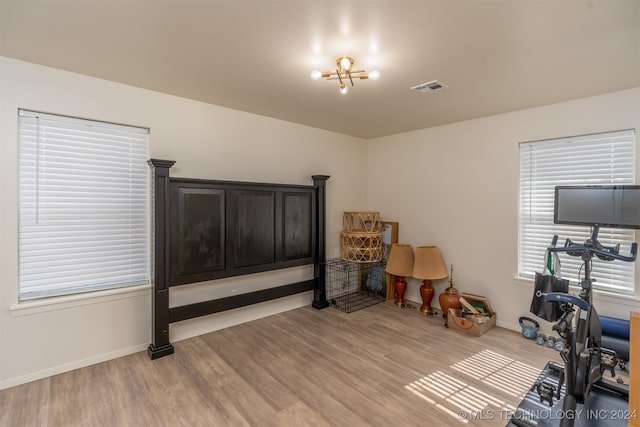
(360, 247)
(361, 221)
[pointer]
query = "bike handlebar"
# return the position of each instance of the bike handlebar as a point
(567, 299)
(602, 252)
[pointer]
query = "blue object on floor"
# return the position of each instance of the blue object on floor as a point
(615, 327)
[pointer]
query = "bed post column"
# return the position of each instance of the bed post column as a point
(319, 287)
(160, 345)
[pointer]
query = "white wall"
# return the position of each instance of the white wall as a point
(456, 186)
(207, 142)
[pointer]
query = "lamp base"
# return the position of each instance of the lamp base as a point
(400, 286)
(426, 292)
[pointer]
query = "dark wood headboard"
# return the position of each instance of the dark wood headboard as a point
(205, 230)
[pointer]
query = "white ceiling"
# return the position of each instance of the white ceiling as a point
(256, 56)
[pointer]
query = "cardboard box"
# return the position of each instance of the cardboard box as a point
(476, 323)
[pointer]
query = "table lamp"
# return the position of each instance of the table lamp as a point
(428, 266)
(400, 264)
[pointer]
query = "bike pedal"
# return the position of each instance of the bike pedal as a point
(556, 367)
(608, 361)
(546, 391)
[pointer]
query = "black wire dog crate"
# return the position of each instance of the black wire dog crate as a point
(352, 286)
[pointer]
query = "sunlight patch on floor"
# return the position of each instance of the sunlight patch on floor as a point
(498, 371)
(462, 401)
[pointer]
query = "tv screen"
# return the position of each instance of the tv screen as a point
(601, 205)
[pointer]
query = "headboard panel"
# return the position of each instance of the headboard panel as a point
(207, 229)
(222, 229)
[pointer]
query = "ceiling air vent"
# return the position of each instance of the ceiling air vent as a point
(433, 86)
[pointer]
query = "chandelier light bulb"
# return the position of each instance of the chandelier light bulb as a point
(315, 74)
(374, 75)
(344, 90)
(345, 63)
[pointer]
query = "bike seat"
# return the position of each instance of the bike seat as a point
(566, 298)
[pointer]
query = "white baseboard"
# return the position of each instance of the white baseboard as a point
(55, 370)
(509, 326)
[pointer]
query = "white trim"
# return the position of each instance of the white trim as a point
(43, 305)
(55, 370)
(509, 326)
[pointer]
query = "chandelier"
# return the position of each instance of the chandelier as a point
(344, 72)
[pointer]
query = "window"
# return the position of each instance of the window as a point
(607, 158)
(82, 200)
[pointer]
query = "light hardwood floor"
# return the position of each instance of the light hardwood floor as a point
(380, 366)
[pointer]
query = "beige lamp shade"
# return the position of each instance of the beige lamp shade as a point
(400, 262)
(428, 264)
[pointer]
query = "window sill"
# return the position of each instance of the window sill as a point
(599, 294)
(43, 305)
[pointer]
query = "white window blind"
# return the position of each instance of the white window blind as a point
(600, 159)
(83, 190)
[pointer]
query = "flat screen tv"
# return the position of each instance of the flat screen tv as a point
(598, 205)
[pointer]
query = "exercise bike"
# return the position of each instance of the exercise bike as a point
(584, 359)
